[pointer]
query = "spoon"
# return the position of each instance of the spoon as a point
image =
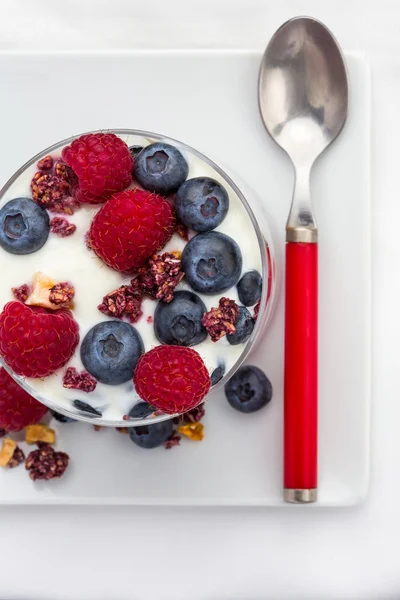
(303, 100)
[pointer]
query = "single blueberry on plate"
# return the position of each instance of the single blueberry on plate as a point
(212, 262)
(135, 150)
(141, 410)
(248, 390)
(24, 226)
(201, 203)
(152, 435)
(111, 350)
(249, 288)
(178, 323)
(217, 374)
(86, 408)
(244, 326)
(61, 418)
(160, 168)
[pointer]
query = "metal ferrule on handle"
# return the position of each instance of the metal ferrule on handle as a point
(301, 365)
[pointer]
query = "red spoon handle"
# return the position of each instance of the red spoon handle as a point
(301, 372)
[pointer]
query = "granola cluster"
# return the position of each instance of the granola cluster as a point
(221, 321)
(22, 292)
(62, 227)
(125, 301)
(73, 379)
(52, 188)
(62, 293)
(46, 463)
(160, 275)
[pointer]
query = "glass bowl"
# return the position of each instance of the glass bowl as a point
(19, 185)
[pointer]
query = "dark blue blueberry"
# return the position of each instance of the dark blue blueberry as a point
(217, 374)
(248, 390)
(160, 168)
(244, 326)
(61, 418)
(212, 262)
(24, 226)
(85, 407)
(110, 351)
(152, 435)
(179, 322)
(249, 288)
(141, 410)
(135, 150)
(201, 203)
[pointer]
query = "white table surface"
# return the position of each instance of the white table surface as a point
(116, 553)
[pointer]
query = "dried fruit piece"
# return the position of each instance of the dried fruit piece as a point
(256, 309)
(22, 292)
(126, 300)
(46, 163)
(194, 431)
(173, 440)
(61, 294)
(122, 429)
(160, 275)
(85, 407)
(46, 463)
(40, 433)
(182, 231)
(79, 381)
(192, 416)
(7, 451)
(17, 458)
(47, 293)
(61, 227)
(221, 321)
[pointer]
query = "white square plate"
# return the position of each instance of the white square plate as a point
(209, 100)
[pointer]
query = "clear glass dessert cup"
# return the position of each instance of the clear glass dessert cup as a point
(265, 245)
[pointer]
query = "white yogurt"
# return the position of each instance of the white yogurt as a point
(68, 259)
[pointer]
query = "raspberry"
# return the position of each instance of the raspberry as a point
(35, 342)
(174, 379)
(17, 408)
(102, 163)
(130, 227)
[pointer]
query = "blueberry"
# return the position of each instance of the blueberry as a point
(249, 288)
(217, 374)
(244, 326)
(61, 418)
(212, 262)
(248, 390)
(110, 351)
(85, 407)
(151, 436)
(141, 410)
(160, 168)
(135, 150)
(24, 226)
(179, 322)
(202, 203)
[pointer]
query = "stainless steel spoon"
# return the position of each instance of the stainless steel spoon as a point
(303, 99)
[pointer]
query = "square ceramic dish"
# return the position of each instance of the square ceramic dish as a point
(209, 100)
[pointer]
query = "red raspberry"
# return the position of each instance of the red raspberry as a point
(102, 163)
(35, 342)
(17, 408)
(174, 379)
(130, 227)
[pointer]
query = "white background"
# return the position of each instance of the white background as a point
(59, 553)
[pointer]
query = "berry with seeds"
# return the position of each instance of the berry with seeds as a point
(249, 288)
(35, 342)
(179, 322)
(24, 226)
(152, 435)
(248, 390)
(174, 379)
(212, 262)
(111, 350)
(202, 203)
(244, 326)
(17, 408)
(160, 168)
(130, 227)
(102, 164)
